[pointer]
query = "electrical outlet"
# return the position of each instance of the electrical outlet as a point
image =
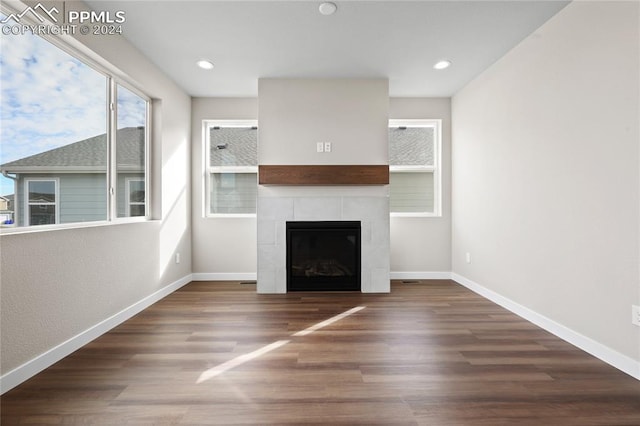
(319, 147)
(468, 257)
(327, 147)
(177, 257)
(635, 315)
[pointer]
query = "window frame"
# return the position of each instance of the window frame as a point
(209, 170)
(436, 169)
(28, 204)
(128, 182)
(112, 167)
(113, 78)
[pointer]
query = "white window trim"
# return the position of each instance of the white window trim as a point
(207, 170)
(436, 169)
(128, 182)
(27, 204)
(112, 168)
(233, 169)
(113, 77)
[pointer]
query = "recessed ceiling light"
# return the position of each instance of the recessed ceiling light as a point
(205, 64)
(440, 65)
(328, 8)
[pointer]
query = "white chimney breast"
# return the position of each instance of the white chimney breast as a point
(294, 116)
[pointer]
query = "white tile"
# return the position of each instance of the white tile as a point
(275, 208)
(279, 256)
(375, 256)
(281, 233)
(317, 208)
(266, 256)
(365, 280)
(266, 283)
(363, 208)
(267, 231)
(380, 234)
(365, 232)
(281, 280)
(380, 281)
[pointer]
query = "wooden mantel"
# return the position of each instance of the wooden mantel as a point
(323, 175)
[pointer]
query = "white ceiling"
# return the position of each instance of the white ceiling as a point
(399, 40)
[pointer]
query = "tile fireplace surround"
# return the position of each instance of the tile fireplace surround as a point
(277, 207)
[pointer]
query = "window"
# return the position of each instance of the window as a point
(41, 201)
(135, 197)
(68, 124)
(130, 152)
(231, 161)
(414, 167)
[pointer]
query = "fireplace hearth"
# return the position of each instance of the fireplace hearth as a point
(323, 256)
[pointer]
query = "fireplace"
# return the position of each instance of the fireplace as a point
(279, 205)
(323, 256)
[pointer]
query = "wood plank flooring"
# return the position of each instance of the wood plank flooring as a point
(429, 353)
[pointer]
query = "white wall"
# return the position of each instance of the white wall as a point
(223, 248)
(421, 246)
(546, 175)
(295, 114)
(58, 284)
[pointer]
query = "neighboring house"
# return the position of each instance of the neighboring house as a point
(233, 170)
(69, 184)
(234, 146)
(6, 209)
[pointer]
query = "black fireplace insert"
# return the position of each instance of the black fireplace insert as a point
(323, 256)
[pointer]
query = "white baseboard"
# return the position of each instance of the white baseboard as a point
(225, 276)
(420, 275)
(29, 369)
(600, 351)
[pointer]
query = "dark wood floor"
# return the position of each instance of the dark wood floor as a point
(429, 353)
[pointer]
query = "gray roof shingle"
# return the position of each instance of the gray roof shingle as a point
(88, 154)
(411, 146)
(233, 146)
(230, 146)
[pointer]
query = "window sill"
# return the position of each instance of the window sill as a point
(231, 216)
(15, 230)
(427, 215)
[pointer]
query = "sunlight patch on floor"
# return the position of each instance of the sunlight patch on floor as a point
(330, 321)
(241, 359)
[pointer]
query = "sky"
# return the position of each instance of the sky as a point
(49, 99)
